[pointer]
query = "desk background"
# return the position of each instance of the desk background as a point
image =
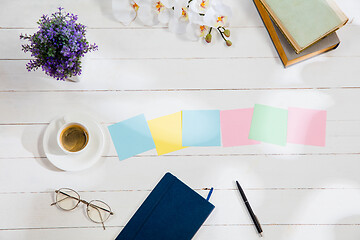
(298, 192)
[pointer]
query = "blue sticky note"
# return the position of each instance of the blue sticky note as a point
(201, 128)
(131, 137)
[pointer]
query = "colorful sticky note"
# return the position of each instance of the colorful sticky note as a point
(306, 126)
(235, 127)
(201, 128)
(167, 133)
(131, 137)
(269, 124)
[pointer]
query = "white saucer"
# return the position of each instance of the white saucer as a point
(74, 162)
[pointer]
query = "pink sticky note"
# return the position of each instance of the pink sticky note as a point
(306, 126)
(235, 127)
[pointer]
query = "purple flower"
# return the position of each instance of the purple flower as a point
(58, 45)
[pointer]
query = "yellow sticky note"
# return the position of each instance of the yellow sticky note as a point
(167, 133)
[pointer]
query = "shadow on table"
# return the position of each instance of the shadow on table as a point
(106, 8)
(312, 200)
(348, 228)
(33, 143)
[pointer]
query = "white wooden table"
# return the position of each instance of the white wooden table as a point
(298, 192)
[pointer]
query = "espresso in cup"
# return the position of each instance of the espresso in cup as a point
(74, 138)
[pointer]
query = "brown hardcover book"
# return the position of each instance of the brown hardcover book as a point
(285, 50)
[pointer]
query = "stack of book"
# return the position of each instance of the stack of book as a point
(301, 29)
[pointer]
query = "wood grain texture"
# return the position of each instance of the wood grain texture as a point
(270, 172)
(158, 43)
(280, 232)
(121, 74)
(98, 13)
(298, 192)
(114, 106)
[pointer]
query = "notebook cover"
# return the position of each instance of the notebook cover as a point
(286, 52)
(304, 22)
(171, 211)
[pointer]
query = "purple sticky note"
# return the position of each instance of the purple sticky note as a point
(235, 127)
(306, 126)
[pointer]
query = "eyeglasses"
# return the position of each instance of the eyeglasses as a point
(68, 199)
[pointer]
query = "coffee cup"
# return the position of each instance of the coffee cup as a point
(73, 137)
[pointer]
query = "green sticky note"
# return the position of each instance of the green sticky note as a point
(269, 124)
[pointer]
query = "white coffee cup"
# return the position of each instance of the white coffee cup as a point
(73, 137)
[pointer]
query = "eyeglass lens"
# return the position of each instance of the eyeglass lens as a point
(67, 199)
(98, 211)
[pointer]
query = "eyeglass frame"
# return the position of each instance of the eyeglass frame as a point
(84, 202)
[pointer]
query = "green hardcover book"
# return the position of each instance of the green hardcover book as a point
(305, 22)
(287, 54)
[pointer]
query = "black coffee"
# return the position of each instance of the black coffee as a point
(74, 138)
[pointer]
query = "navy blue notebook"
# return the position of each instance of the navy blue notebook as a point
(171, 211)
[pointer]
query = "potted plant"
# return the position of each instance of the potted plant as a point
(58, 45)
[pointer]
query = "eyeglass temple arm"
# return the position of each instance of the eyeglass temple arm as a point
(102, 221)
(58, 201)
(83, 201)
(68, 196)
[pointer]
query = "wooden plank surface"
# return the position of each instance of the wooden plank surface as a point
(158, 43)
(298, 192)
(98, 14)
(255, 172)
(297, 207)
(281, 232)
(123, 74)
(114, 106)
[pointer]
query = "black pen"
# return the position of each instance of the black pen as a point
(247, 204)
